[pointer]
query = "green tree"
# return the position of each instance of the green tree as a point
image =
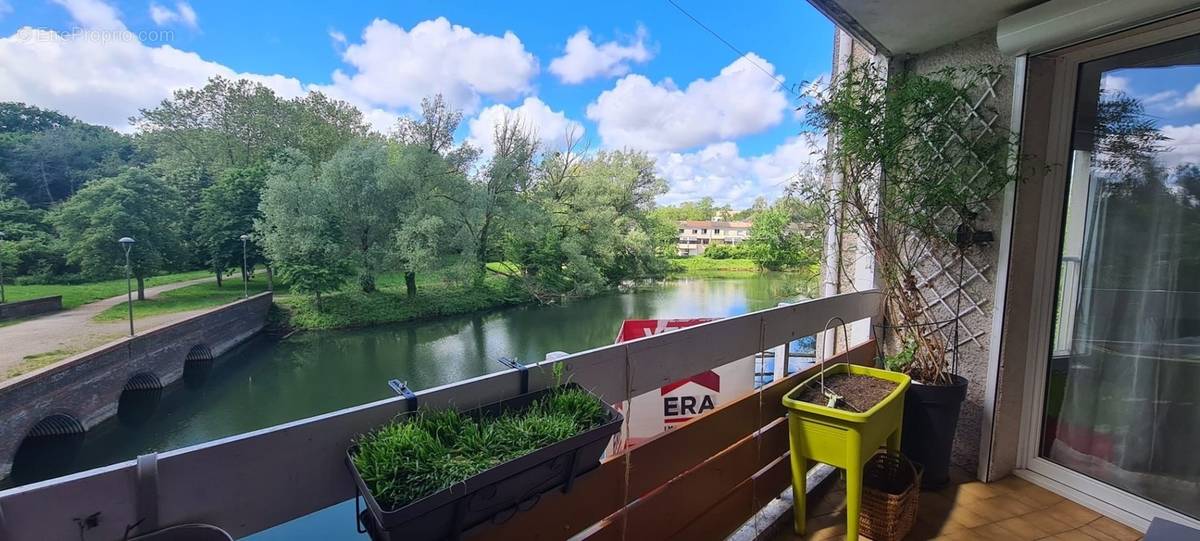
(480, 204)
(228, 209)
(778, 243)
(135, 204)
(367, 198)
(241, 123)
(29, 245)
(48, 156)
(585, 224)
(226, 123)
(298, 229)
(321, 126)
(430, 164)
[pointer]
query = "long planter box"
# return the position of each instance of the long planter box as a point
(495, 494)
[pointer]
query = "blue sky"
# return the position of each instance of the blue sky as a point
(1171, 97)
(642, 75)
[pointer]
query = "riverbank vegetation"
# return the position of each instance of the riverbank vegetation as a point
(347, 223)
(391, 303)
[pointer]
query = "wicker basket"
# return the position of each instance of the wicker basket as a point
(891, 490)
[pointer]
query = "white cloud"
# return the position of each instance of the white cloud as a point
(1114, 83)
(93, 14)
(339, 39)
(1184, 142)
(183, 13)
(551, 126)
(1191, 100)
(105, 77)
(1160, 98)
(643, 115)
(721, 172)
(583, 59)
(395, 67)
(106, 82)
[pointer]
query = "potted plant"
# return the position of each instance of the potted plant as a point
(920, 160)
(840, 417)
(433, 474)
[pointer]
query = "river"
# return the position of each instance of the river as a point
(267, 382)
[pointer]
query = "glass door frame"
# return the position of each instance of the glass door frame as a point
(1049, 111)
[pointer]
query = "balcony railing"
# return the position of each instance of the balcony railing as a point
(708, 475)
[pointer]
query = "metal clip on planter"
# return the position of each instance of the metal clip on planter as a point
(401, 388)
(522, 369)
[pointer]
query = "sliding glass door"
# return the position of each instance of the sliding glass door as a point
(1122, 396)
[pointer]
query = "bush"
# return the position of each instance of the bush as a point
(726, 251)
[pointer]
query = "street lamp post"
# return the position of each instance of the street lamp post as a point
(1, 272)
(245, 274)
(127, 244)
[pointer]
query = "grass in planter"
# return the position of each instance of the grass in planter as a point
(409, 459)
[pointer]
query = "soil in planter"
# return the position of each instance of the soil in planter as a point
(421, 454)
(859, 393)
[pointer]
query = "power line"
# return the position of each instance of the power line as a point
(733, 47)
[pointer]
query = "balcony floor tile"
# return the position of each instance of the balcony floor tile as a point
(1011, 509)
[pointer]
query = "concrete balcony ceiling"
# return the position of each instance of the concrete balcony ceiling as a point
(911, 27)
(900, 27)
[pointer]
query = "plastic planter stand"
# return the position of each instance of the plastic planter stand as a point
(495, 494)
(841, 438)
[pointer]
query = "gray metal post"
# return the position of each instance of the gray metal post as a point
(127, 243)
(245, 274)
(2, 273)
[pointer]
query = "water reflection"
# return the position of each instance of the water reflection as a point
(266, 382)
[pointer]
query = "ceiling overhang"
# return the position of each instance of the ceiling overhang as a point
(907, 27)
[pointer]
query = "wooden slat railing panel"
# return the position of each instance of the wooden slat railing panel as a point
(556, 516)
(674, 452)
(672, 506)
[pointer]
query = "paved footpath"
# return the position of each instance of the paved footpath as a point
(75, 331)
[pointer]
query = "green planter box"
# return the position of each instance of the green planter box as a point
(841, 438)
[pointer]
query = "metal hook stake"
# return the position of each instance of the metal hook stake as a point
(832, 396)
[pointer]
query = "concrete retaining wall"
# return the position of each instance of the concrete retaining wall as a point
(31, 307)
(87, 387)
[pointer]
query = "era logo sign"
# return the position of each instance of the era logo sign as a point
(680, 408)
(674, 406)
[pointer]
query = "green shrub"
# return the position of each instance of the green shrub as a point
(726, 251)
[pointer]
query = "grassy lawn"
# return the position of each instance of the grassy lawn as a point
(690, 265)
(80, 294)
(34, 362)
(715, 268)
(436, 296)
(193, 297)
(390, 304)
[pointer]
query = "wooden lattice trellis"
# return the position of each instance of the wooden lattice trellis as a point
(948, 296)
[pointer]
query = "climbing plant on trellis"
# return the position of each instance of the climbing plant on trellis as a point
(921, 157)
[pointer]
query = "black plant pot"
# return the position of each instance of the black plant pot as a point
(930, 417)
(495, 494)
